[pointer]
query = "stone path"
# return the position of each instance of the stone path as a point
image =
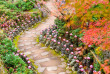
(46, 61)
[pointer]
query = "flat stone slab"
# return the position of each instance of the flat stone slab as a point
(22, 49)
(41, 69)
(35, 55)
(28, 36)
(34, 35)
(21, 44)
(22, 36)
(67, 71)
(43, 60)
(33, 32)
(28, 43)
(37, 45)
(62, 59)
(25, 40)
(27, 53)
(43, 47)
(63, 63)
(28, 47)
(34, 42)
(33, 51)
(62, 73)
(27, 32)
(44, 53)
(31, 40)
(53, 68)
(20, 41)
(62, 66)
(52, 73)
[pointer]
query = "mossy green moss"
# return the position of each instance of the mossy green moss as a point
(3, 70)
(37, 39)
(16, 39)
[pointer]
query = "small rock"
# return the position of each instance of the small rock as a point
(29, 47)
(41, 69)
(67, 71)
(21, 44)
(62, 59)
(34, 42)
(28, 43)
(43, 60)
(27, 53)
(52, 68)
(44, 53)
(62, 73)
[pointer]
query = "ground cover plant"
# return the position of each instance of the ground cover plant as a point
(18, 5)
(11, 57)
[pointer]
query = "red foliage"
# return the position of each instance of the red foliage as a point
(106, 67)
(98, 34)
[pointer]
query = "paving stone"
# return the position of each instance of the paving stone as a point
(33, 51)
(21, 44)
(28, 47)
(44, 53)
(33, 32)
(67, 71)
(38, 65)
(43, 60)
(34, 35)
(43, 48)
(20, 41)
(28, 43)
(52, 73)
(31, 57)
(59, 56)
(38, 45)
(52, 68)
(22, 36)
(62, 66)
(27, 32)
(28, 35)
(25, 40)
(34, 42)
(41, 69)
(62, 59)
(27, 53)
(35, 55)
(62, 73)
(22, 49)
(64, 63)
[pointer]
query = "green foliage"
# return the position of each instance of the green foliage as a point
(76, 32)
(96, 66)
(12, 61)
(19, 6)
(59, 23)
(11, 70)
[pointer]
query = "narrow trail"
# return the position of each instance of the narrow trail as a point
(47, 63)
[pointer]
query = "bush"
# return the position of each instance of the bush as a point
(59, 23)
(12, 62)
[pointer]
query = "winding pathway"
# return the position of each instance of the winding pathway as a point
(47, 63)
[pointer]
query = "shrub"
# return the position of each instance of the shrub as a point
(59, 23)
